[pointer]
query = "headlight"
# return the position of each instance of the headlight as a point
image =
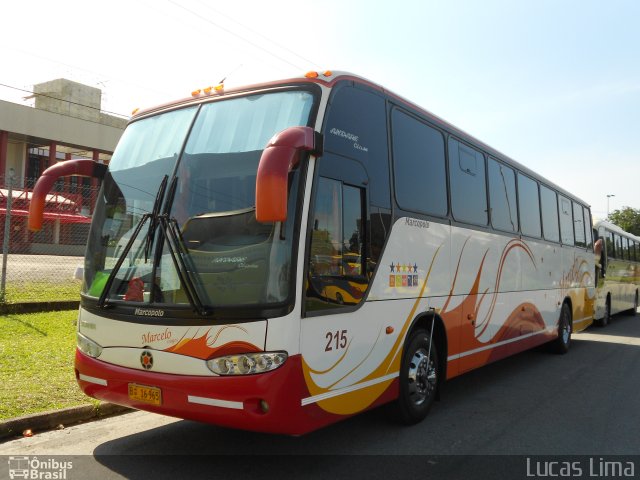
(88, 347)
(247, 363)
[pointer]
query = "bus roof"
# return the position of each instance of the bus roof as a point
(615, 228)
(330, 78)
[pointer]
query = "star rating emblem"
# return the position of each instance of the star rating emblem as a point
(146, 360)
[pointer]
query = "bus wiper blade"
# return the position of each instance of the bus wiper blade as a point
(178, 252)
(121, 258)
(154, 216)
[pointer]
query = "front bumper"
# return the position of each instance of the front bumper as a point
(233, 402)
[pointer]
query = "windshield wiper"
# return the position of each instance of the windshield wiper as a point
(153, 215)
(174, 241)
(180, 253)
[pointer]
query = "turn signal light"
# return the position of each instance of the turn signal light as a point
(312, 74)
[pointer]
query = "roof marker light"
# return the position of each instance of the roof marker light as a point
(219, 88)
(207, 91)
(327, 73)
(195, 93)
(135, 110)
(311, 74)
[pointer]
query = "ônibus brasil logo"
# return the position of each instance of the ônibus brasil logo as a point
(34, 468)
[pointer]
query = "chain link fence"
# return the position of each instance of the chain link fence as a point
(44, 266)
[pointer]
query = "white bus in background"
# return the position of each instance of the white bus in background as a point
(618, 275)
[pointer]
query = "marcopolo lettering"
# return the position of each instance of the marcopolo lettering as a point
(149, 312)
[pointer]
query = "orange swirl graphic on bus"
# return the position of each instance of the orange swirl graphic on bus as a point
(201, 346)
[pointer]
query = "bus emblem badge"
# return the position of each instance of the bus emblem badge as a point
(146, 360)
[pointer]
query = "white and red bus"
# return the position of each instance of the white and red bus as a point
(618, 272)
(282, 256)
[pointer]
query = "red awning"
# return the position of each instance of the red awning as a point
(63, 217)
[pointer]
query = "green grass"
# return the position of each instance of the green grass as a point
(36, 363)
(18, 292)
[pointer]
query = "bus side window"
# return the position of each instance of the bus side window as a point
(566, 221)
(467, 183)
(337, 274)
(609, 241)
(578, 225)
(356, 127)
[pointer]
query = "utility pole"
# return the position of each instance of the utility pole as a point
(7, 233)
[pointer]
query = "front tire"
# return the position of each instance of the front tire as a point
(565, 326)
(418, 378)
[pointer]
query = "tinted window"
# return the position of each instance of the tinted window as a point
(502, 197)
(618, 245)
(419, 165)
(529, 206)
(356, 128)
(608, 238)
(578, 225)
(587, 226)
(337, 267)
(566, 221)
(468, 187)
(549, 201)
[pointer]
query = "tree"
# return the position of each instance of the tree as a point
(628, 219)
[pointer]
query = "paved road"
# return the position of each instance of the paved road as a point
(536, 403)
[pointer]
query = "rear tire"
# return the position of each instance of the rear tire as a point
(606, 319)
(418, 379)
(634, 311)
(565, 326)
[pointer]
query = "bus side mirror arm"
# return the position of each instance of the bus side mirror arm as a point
(281, 155)
(83, 168)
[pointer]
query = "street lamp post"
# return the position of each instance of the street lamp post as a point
(608, 197)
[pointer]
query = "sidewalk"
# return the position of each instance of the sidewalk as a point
(40, 422)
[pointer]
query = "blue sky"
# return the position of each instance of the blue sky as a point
(553, 84)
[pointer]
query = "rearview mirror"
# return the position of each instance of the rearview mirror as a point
(281, 156)
(83, 168)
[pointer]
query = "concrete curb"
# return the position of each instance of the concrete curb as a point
(40, 422)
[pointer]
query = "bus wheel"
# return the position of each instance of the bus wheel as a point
(606, 319)
(418, 378)
(563, 342)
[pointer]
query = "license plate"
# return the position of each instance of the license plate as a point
(145, 394)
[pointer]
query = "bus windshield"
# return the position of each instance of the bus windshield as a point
(210, 155)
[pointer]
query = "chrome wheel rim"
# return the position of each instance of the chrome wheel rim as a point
(422, 377)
